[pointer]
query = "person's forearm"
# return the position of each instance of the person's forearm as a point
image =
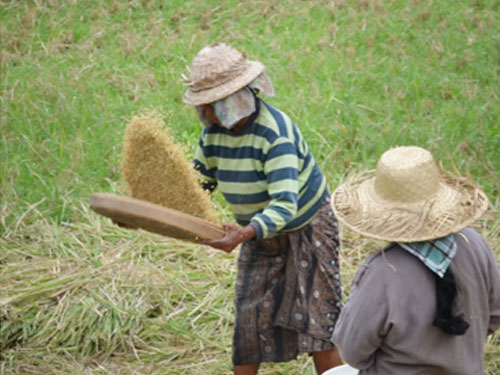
(247, 233)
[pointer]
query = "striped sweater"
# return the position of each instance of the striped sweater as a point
(264, 170)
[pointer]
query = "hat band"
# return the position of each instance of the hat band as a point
(217, 79)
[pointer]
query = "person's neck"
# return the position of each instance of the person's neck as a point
(240, 124)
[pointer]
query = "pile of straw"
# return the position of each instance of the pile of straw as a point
(156, 169)
(81, 299)
(86, 297)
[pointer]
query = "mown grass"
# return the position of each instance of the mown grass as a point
(80, 295)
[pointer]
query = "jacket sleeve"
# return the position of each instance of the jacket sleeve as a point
(494, 294)
(282, 177)
(363, 321)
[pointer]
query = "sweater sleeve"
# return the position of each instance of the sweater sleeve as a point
(281, 170)
(209, 181)
(363, 322)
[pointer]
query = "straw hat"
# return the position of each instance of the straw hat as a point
(408, 199)
(218, 71)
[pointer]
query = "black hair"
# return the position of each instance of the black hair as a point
(446, 291)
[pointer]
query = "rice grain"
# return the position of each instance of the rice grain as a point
(157, 170)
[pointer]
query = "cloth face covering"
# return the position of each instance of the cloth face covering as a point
(238, 105)
(436, 254)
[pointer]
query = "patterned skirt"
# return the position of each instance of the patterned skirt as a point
(288, 293)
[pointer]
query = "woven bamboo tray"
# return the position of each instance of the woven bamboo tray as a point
(136, 213)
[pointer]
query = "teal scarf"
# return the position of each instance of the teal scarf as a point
(436, 254)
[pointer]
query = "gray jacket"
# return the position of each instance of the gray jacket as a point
(386, 326)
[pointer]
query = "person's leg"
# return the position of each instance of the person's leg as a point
(247, 369)
(260, 279)
(326, 359)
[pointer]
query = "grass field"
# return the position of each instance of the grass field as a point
(79, 295)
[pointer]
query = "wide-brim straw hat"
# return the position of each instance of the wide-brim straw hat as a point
(218, 71)
(408, 199)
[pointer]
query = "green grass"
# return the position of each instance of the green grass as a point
(357, 76)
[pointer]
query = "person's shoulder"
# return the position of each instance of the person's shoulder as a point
(391, 264)
(372, 265)
(265, 106)
(472, 246)
(470, 236)
(382, 258)
(272, 114)
(266, 125)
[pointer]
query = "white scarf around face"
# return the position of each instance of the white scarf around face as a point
(238, 105)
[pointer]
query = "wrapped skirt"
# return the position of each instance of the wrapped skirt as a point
(288, 293)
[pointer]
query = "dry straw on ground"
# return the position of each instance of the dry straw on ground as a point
(157, 170)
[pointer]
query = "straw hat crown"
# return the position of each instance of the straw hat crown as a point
(406, 175)
(218, 71)
(408, 199)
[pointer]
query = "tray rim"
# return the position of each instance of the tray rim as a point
(106, 203)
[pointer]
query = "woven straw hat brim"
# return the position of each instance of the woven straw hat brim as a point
(456, 204)
(254, 69)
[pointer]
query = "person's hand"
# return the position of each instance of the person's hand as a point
(233, 237)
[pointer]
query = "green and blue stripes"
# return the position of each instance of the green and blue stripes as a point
(264, 170)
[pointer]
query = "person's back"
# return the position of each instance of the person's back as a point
(395, 295)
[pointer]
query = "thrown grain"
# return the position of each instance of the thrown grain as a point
(157, 170)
